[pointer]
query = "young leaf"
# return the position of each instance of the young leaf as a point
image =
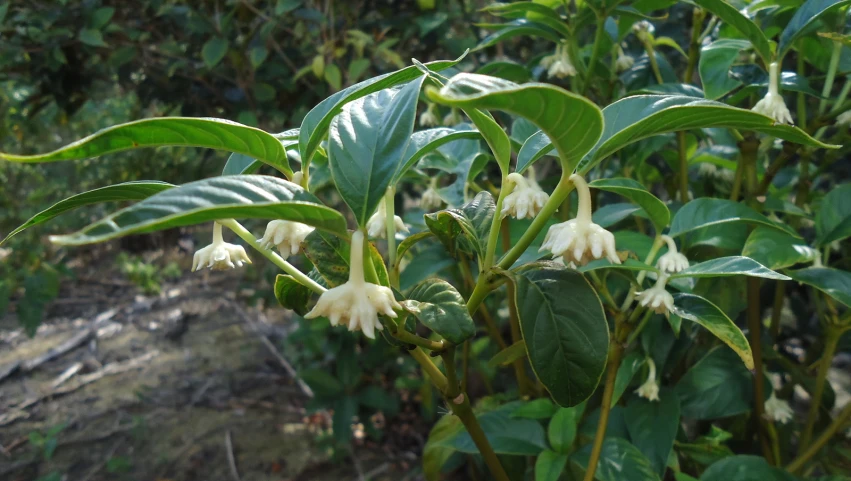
(508, 355)
(427, 141)
(619, 461)
(549, 465)
(541, 408)
(833, 282)
(515, 28)
(733, 17)
(532, 10)
(653, 426)
(291, 294)
(330, 257)
(137, 190)
(729, 266)
(562, 429)
(804, 16)
(535, 147)
(705, 212)
(367, 143)
(552, 324)
(714, 66)
(833, 220)
(656, 210)
(236, 196)
(697, 309)
(776, 249)
(465, 228)
(184, 131)
(440, 307)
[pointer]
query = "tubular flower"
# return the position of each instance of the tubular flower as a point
(657, 298)
(772, 105)
(579, 240)
(778, 410)
(527, 198)
(672, 261)
(376, 227)
(453, 118)
(431, 199)
(624, 61)
(561, 66)
(844, 119)
(650, 389)
(356, 303)
(286, 235)
(220, 255)
(429, 117)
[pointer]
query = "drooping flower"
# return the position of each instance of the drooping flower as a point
(560, 66)
(431, 199)
(778, 409)
(657, 298)
(526, 199)
(844, 119)
(453, 118)
(286, 235)
(649, 389)
(707, 169)
(376, 226)
(624, 61)
(356, 303)
(772, 105)
(429, 118)
(672, 261)
(579, 240)
(220, 255)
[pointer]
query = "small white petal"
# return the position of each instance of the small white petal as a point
(778, 410)
(286, 235)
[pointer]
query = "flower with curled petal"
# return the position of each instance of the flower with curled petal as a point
(579, 240)
(431, 200)
(220, 255)
(429, 118)
(561, 66)
(772, 105)
(356, 303)
(526, 199)
(778, 410)
(286, 235)
(376, 227)
(650, 389)
(672, 261)
(657, 298)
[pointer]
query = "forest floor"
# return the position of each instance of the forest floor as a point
(185, 385)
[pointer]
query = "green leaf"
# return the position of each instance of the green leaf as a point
(541, 408)
(714, 66)
(619, 461)
(729, 266)
(291, 294)
(701, 311)
(235, 196)
(745, 468)
(804, 16)
(573, 122)
(656, 210)
(536, 146)
(630, 365)
(517, 28)
(441, 308)
(92, 37)
(508, 355)
(653, 426)
(627, 265)
(214, 51)
(833, 282)
(507, 435)
(833, 220)
(533, 11)
(549, 465)
(495, 137)
(137, 190)
(610, 214)
(101, 17)
(367, 143)
(435, 452)
(241, 164)
(314, 127)
(179, 131)
(776, 249)
(733, 17)
(40, 288)
(333, 76)
(718, 386)
(330, 256)
(634, 118)
(567, 336)
(465, 228)
(344, 411)
(427, 141)
(705, 212)
(562, 429)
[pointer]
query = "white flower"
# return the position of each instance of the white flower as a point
(579, 240)
(844, 119)
(657, 298)
(672, 261)
(431, 199)
(286, 235)
(650, 389)
(548, 60)
(219, 255)
(772, 105)
(624, 61)
(707, 169)
(726, 175)
(298, 177)
(778, 410)
(376, 227)
(561, 66)
(356, 303)
(526, 199)
(453, 118)
(429, 117)
(643, 30)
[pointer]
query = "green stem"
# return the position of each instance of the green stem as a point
(755, 328)
(657, 244)
(595, 50)
(461, 407)
(615, 353)
(641, 325)
(821, 441)
(493, 235)
(831, 75)
(430, 369)
(777, 308)
(735, 192)
(802, 99)
(523, 383)
(390, 225)
(453, 388)
(410, 338)
(830, 343)
(654, 65)
(681, 149)
(843, 94)
(285, 266)
(694, 45)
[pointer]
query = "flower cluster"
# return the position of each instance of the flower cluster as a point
(657, 298)
(778, 410)
(219, 255)
(558, 64)
(376, 225)
(526, 199)
(772, 105)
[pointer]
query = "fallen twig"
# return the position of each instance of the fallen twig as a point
(231, 461)
(67, 374)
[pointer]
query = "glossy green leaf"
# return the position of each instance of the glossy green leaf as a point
(653, 426)
(705, 212)
(183, 131)
(656, 210)
(465, 228)
(235, 196)
(567, 336)
(291, 294)
(125, 191)
(776, 249)
(541, 408)
(572, 122)
(833, 219)
(535, 147)
(619, 461)
(733, 17)
(729, 266)
(610, 214)
(549, 465)
(330, 257)
(561, 431)
(804, 16)
(508, 355)
(506, 434)
(745, 468)
(441, 308)
(367, 144)
(427, 141)
(699, 310)
(241, 164)
(533, 11)
(213, 51)
(714, 66)
(717, 386)
(517, 28)
(627, 265)
(314, 127)
(496, 138)
(833, 282)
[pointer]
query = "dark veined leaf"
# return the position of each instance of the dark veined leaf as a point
(714, 66)
(717, 386)
(733, 17)
(291, 294)
(314, 127)
(833, 282)
(508, 355)
(705, 212)
(572, 122)
(655, 209)
(549, 465)
(235, 196)
(619, 461)
(776, 249)
(804, 16)
(516, 28)
(567, 337)
(441, 308)
(635, 118)
(466, 227)
(745, 468)
(330, 257)
(426, 141)
(653, 426)
(729, 266)
(506, 434)
(535, 147)
(191, 132)
(532, 11)
(137, 190)
(697, 309)
(367, 144)
(833, 220)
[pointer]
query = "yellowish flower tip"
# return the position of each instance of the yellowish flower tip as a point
(657, 297)
(219, 255)
(286, 235)
(650, 388)
(672, 261)
(526, 198)
(429, 118)
(773, 105)
(376, 226)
